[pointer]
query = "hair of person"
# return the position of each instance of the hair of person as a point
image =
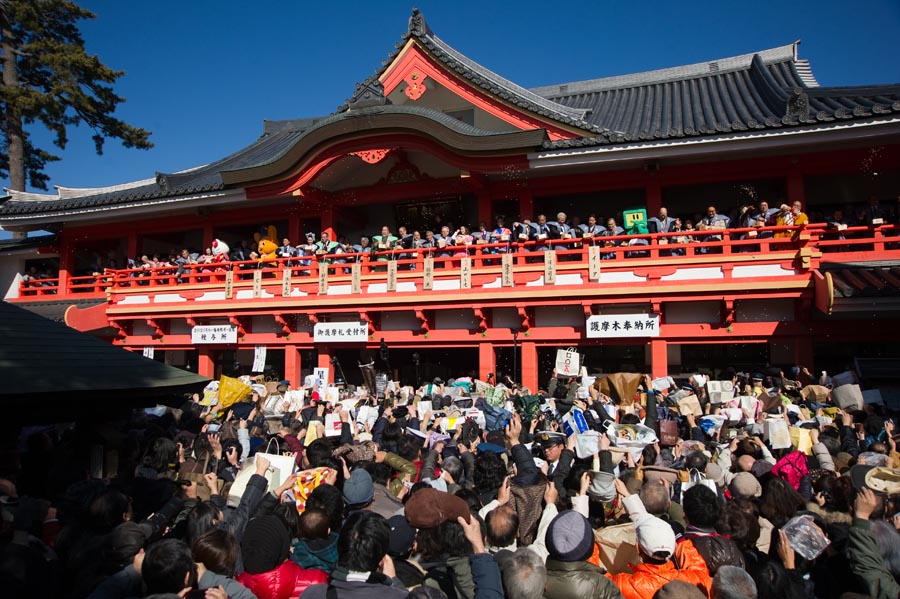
(774, 582)
(108, 510)
(380, 472)
(454, 467)
(317, 451)
(873, 425)
(718, 551)
(489, 472)
(888, 540)
(167, 565)
(314, 524)
(731, 582)
(407, 449)
(227, 445)
(217, 549)
(655, 498)
(739, 525)
(649, 454)
(391, 435)
(502, 526)
(701, 506)
(837, 490)
(470, 496)
(363, 542)
(201, 518)
(160, 453)
(779, 501)
(426, 592)
(329, 499)
(524, 575)
(630, 419)
(696, 460)
(288, 514)
(747, 447)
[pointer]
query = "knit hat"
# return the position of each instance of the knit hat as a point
(265, 545)
(428, 508)
(402, 536)
(679, 589)
(655, 536)
(744, 484)
(569, 537)
(359, 488)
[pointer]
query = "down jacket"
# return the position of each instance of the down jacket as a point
(646, 579)
(286, 581)
(578, 579)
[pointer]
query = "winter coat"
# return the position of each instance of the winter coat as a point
(578, 579)
(868, 565)
(285, 581)
(649, 578)
(317, 555)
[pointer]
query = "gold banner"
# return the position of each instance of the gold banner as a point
(465, 273)
(392, 276)
(594, 263)
(550, 267)
(323, 278)
(286, 282)
(229, 284)
(356, 278)
(428, 274)
(506, 269)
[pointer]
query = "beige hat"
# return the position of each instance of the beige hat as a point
(744, 484)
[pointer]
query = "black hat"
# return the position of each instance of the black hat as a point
(549, 439)
(265, 545)
(402, 536)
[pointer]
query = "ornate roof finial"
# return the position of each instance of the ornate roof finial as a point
(417, 24)
(368, 93)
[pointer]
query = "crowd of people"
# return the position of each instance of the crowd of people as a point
(753, 486)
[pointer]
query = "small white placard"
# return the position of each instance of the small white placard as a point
(614, 326)
(340, 332)
(218, 333)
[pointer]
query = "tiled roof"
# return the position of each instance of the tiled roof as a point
(488, 80)
(766, 90)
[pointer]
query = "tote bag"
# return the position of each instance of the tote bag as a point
(280, 468)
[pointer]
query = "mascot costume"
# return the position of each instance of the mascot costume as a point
(221, 258)
(267, 244)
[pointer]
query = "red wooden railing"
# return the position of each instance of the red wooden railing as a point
(852, 243)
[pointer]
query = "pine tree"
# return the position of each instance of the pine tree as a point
(49, 79)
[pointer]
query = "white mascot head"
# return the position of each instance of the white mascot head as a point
(220, 248)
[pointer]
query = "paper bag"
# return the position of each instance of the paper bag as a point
(816, 393)
(332, 425)
(801, 440)
(720, 391)
(280, 468)
(574, 422)
(663, 384)
(587, 444)
(423, 407)
(618, 547)
(568, 362)
(620, 386)
(845, 396)
(776, 433)
(690, 405)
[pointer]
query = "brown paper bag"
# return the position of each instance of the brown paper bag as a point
(690, 405)
(620, 386)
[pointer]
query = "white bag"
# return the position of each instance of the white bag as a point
(587, 444)
(848, 396)
(423, 407)
(720, 391)
(280, 468)
(568, 362)
(698, 479)
(776, 433)
(332, 425)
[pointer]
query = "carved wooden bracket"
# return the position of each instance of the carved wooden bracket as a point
(415, 85)
(728, 313)
(423, 319)
(312, 317)
(280, 320)
(191, 321)
(372, 156)
(121, 331)
(156, 326)
(364, 317)
(526, 319)
(481, 318)
(236, 321)
(588, 310)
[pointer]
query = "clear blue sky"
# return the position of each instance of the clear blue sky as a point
(202, 75)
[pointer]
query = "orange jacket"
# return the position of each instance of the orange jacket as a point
(799, 219)
(649, 578)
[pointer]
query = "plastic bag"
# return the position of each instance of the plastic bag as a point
(231, 391)
(805, 537)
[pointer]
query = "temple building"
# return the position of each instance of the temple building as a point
(434, 139)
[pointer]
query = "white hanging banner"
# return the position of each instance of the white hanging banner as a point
(219, 333)
(614, 326)
(149, 351)
(340, 332)
(259, 358)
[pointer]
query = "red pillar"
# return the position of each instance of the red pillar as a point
(526, 205)
(485, 208)
(324, 360)
(205, 365)
(487, 360)
(653, 197)
(66, 261)
(328, 223)
(292, 365)
(795, 189)
(529, 365)
(659, 358)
